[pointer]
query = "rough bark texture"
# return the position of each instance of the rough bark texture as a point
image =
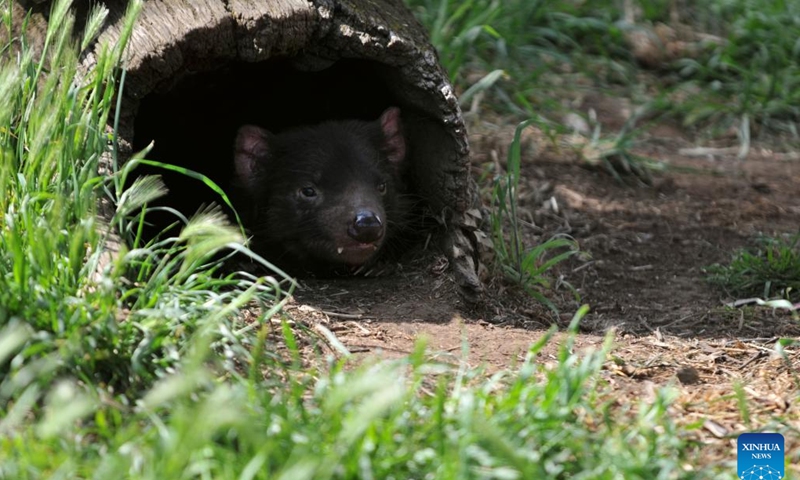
(34, 14)
(177, 38)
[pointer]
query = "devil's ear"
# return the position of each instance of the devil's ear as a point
(394, 141)
(250, 151)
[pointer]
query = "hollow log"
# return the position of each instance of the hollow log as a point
(198, 69)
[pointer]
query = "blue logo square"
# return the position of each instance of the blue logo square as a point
(760, 456)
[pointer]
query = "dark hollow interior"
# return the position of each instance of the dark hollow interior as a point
(194, 123)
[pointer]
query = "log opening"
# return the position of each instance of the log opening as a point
(194, 123)
(199, 69)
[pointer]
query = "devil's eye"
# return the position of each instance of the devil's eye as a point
(382, 188)
(308, 192)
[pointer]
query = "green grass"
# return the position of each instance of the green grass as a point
(527, 267)
(541, 55)
(410, 418)
(770, 271)
(751, 76)
(754, 74)
(526, 39)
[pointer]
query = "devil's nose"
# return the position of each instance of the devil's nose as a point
(366, 227)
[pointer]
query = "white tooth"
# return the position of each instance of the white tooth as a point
(340, 250)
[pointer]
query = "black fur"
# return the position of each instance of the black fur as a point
(325, 198)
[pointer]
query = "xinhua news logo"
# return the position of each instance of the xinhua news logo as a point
(760, 456)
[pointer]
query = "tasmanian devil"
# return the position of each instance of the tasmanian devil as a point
(323, 198)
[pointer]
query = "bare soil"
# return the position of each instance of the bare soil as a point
(645, 282)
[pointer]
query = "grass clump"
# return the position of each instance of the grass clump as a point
(51, 139)
(770, 271)
(734, 65)
(118, 318)
(527, 39)
(753, 73)
(526, 267)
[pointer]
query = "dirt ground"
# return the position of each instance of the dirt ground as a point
(644, 282)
